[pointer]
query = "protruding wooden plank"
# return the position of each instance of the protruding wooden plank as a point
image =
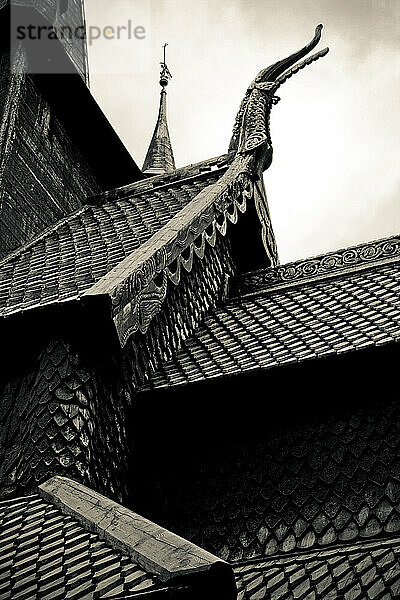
(152, 547)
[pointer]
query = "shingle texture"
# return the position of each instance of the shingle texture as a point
(333, 480)
(70, 257)
(45, 425)
(365, 571)
(47, 555)
(317, 319)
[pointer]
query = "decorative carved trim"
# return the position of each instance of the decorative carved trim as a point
(141, 296)
(341, 261)
(138, 285)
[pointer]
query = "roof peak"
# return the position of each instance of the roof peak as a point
(160, 157)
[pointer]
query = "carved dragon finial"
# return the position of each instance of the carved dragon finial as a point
(251, 130)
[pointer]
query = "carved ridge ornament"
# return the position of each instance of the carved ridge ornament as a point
(251, 132)
(138, 298)
(335, 262)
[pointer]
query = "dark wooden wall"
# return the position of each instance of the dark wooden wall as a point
(77, 51)
(43, 176)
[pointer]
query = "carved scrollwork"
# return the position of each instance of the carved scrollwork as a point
(331, 261)
(391, 247)
(255, 140)
(340, 261)
(349, 257)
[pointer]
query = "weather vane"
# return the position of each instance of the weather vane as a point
(165, 74)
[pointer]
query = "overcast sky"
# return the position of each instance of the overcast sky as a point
(334, 180)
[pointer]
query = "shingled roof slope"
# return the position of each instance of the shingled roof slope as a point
(68, 258)
(292, 321)
(71, 543)
(367, 570)
(47, 554)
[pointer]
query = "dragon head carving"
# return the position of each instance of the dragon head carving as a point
(251, 132)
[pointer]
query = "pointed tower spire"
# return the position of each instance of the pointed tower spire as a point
(160, 158)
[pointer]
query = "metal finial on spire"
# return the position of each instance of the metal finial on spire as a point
(165, 74)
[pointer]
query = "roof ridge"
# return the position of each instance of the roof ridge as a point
(343, 249)
(158, 181)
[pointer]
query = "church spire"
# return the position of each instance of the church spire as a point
(160, 158)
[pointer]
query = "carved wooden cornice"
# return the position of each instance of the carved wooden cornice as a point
(359, 257)
(138, 285)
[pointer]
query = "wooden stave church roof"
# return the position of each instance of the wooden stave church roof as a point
(68, 258)
(31, 304)
(286, 315)
(253, 291)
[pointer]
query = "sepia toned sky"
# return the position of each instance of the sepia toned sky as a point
(334, 180)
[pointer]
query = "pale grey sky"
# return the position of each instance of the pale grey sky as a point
(334, 180)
